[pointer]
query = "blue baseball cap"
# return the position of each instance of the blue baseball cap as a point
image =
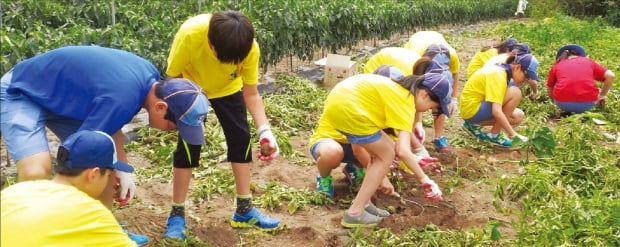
(576, 48)
(529, 63)
(511, 43)
(441, 86)
(522, 49)
(389, 71)
(188, 103)
(439, 53)
(90, 149)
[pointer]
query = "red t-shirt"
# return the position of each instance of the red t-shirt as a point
(573, 79)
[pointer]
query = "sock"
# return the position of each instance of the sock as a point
(354, 213)
(492, 135)
(244, 204)
(178, 209)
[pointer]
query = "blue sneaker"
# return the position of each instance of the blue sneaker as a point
(139, 239)
(254, 218)
(325, 185)
(354, 174)
(500, 139)
(475, 130)
(175, 228)
(442, 145)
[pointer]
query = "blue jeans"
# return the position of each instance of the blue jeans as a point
(577, 107)
(484, 113)
(23, 123)
(349, 157)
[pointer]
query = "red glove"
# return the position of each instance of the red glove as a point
(419, 132)
(431, 190)
(432, 163)
(121, 202)
(268, 145)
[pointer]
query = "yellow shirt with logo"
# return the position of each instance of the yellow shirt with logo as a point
(191, 57)
(399, 57)
(487, 84)
(419, 41)
(46, 213)
(366, 103)
(479, 60)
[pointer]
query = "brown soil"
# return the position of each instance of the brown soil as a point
(471, 197)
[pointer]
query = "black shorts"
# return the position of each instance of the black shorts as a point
(232, 113)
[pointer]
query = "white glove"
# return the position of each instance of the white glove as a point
(421, 152)
(419, 132)
(431, 190)
(454, 105)
(522, 137)
(127, 187)
(269, 146)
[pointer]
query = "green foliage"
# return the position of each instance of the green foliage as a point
(212, 180)
(276, 193)
(541, 141)
(430, 235)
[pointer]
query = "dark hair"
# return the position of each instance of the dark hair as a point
(420, 66)
(503, 47)
(414, 83)
(232, 35)
(159, 94)
(511, 59)
(567, 53)
(62, 156)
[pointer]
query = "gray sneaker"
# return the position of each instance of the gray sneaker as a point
(364, 219)
(374, 210)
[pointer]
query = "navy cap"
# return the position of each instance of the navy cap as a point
(90, 149)
(576, 48)
(441, 86)
(530, 64)
(189, 105)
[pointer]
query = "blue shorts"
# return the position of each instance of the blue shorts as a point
(349, 157)
(577, 107)
(355, 139)
(23, 123)
(485, 112)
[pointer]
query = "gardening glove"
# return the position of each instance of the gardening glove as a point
(454, 105)
(418, 131)
(432, 163)
(127, 187)
(268, 145)
(431, 190)
(421, 152)
(522, 137)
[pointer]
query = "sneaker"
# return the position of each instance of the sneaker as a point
(325, 185)
(500, 139)
(253, 218)
(475, 130)
(354, 174)
(374, 210)
(442, 145)
(364, 219)
(175, 228)
(139, 239)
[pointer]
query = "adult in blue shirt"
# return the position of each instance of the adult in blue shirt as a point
(77, 88)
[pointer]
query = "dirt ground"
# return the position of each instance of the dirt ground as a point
(472, 197)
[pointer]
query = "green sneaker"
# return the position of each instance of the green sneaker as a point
(364, 219)
(325, 185)
(354, 174)
(475, 130)
(501, 139)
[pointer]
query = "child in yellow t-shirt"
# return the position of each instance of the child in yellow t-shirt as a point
(361, 106)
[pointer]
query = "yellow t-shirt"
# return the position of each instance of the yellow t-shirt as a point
(479, 60)
(419, 41)
(366, 103)
(325, 130)
(191, 57)
(501, 58)
(399, 57)
(45, 213)
(487, 84)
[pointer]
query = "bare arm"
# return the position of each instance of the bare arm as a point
(120, 148)
(403, 152)
(255, 104)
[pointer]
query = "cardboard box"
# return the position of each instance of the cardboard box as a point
(338, 68)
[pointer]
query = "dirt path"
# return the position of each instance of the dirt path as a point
(471, 193)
